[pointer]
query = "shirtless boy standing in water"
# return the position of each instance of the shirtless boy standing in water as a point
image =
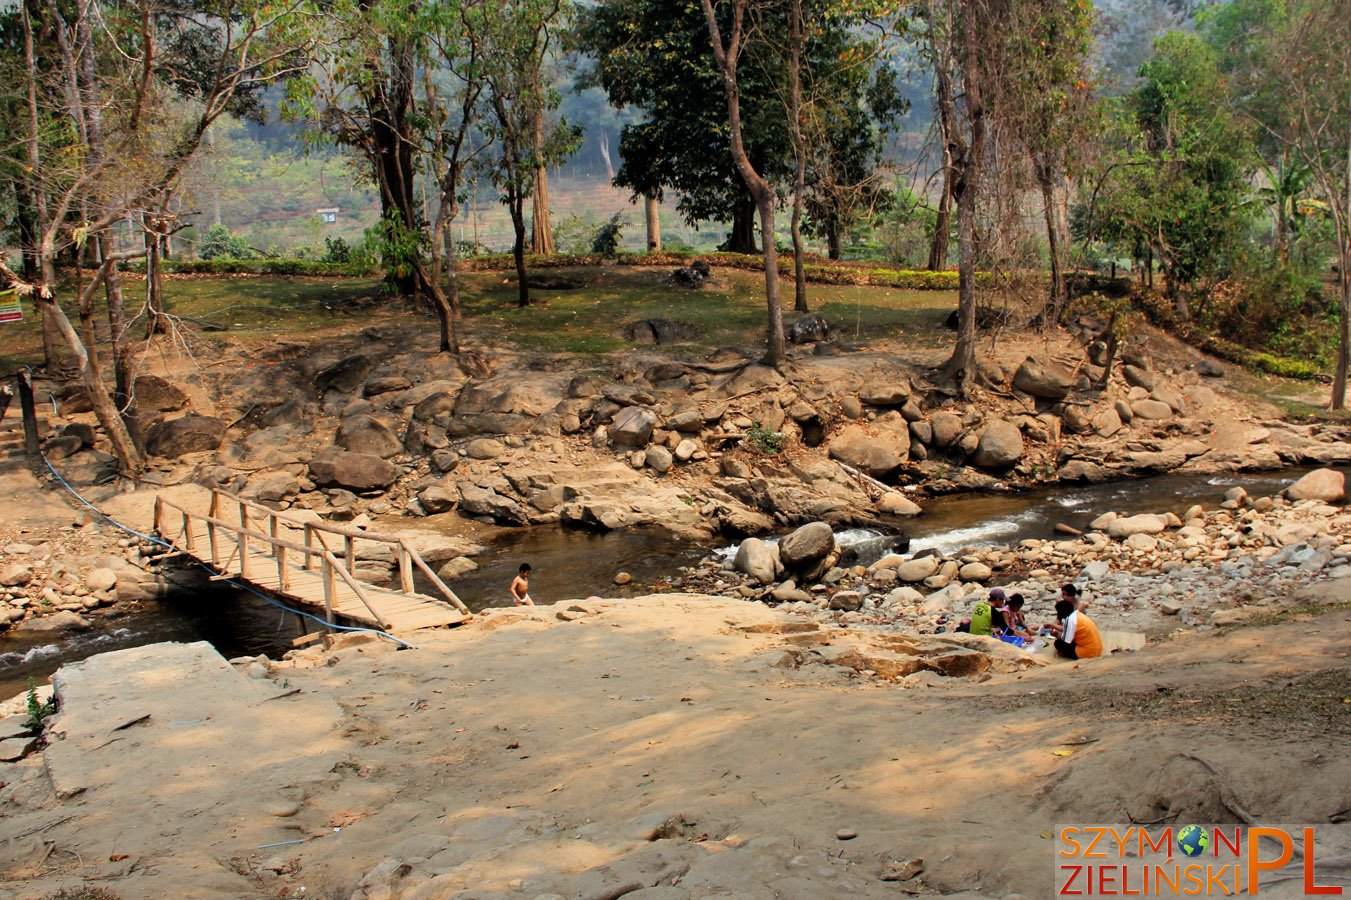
(520, 587)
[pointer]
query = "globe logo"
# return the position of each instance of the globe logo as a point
(1193, 840)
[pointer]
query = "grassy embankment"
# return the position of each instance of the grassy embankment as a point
(582, 319)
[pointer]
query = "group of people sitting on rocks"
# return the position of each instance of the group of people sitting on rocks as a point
(1001, 616)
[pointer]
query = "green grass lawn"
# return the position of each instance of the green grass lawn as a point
(586, 319)
(731, 312)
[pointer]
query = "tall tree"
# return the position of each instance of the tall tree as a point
(363, 95)
(728, 55)
(965, 58)
(112, 122)
(1178, 181)
(1049, 110)
(377, 91)
(1297, 89)
(517, 37)
(652, 56)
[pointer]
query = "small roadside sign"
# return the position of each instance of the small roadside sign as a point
(10, 310)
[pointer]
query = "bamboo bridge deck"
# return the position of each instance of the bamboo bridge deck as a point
(307, 565)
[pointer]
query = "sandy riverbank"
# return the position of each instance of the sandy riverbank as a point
(671, 746)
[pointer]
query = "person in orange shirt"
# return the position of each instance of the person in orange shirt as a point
(1076, 635)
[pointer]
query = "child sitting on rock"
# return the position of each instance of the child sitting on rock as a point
(1009, 620)
(1076, 635)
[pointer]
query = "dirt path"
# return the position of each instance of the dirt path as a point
(672, 744)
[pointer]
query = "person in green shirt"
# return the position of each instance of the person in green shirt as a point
(983, 614)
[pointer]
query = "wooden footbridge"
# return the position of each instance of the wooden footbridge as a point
(305, 564)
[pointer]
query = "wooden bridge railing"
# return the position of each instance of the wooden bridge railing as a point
(332, 566)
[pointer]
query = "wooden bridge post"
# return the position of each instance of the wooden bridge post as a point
(350, 548)
(243, 553)
(273, 530)
(405, 569)
(283, 575)
(159, 514)
(330, 588)
(215, 542)
(309, 545)
(190, 540)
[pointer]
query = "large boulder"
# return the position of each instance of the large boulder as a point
(632, 427)
(479, 501)
(806, 546)
(386, 384)
(367, 434)
(433, 405)
(1046, 380)
(888, 393)
(358, 472)
(154, 393)
(809, 329)
(1137, 376)
(755, 559)
(946, 427)
(659, 459)
(438, 498)
(1167, 394)
(295, 411)
(16, 575)
(1151, 409)
(897, 504)
(1001, 445)
(1321, 484)
(877, 454)
(913, 570)
(1127, 526)
(189, 434)
(344, 377)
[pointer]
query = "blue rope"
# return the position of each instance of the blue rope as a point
(230, 581)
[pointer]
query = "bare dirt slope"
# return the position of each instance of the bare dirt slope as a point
(681, 747)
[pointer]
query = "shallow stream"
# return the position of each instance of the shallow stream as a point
(571, 564)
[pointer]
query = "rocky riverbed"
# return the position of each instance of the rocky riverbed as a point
(1146, 573)
(702, 443)
(371, 428)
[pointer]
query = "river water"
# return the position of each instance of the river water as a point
(570, 564)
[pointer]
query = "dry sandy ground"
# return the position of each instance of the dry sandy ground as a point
(658, 749)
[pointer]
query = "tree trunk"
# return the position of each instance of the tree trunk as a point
(759, 188)
(799, 153)
(742, 239)
(833, 249)
(453, 276)
(123, 364)
(1057, 237)
(1344, 327)
(132, 463)
(966, 186)
(651, 214)
(938, 247)
(516, 203)
(27, 227)
(389, 105)
(154, 284)
(541, 232)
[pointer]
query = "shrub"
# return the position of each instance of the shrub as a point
(606, 241)
(766, 441)
(219, 242)
(225, 265)
(336, 250)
